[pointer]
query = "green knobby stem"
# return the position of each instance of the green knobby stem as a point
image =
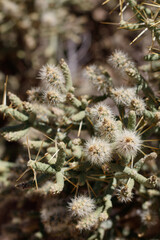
(133, 174)
(59, 185)
(50, 159)
(73, 100)
(77, 151)
(61, 157)
(138, 165)
(69, 109)
(13, 113)
(84, 102)
(14, 133)
(37, 144)
(149, 115)
(53, 150)
(108, 202)
(60, 179)
(67, 75)
(119, 125)
(108, 195)
(79, 116)
(130, 185)
(41, 167)
(30, 108)
(37, 111)
(152, 57)
(98, 211)
(130, 26)
(131, 120)
(16, 101)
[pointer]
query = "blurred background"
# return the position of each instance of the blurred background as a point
(36, 32)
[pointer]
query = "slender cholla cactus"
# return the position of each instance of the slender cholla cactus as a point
(115, 149)
(100, 153)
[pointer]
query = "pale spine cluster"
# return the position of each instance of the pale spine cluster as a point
(98, 151)
(81, 206)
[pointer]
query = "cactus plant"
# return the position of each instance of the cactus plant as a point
(98, 154)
